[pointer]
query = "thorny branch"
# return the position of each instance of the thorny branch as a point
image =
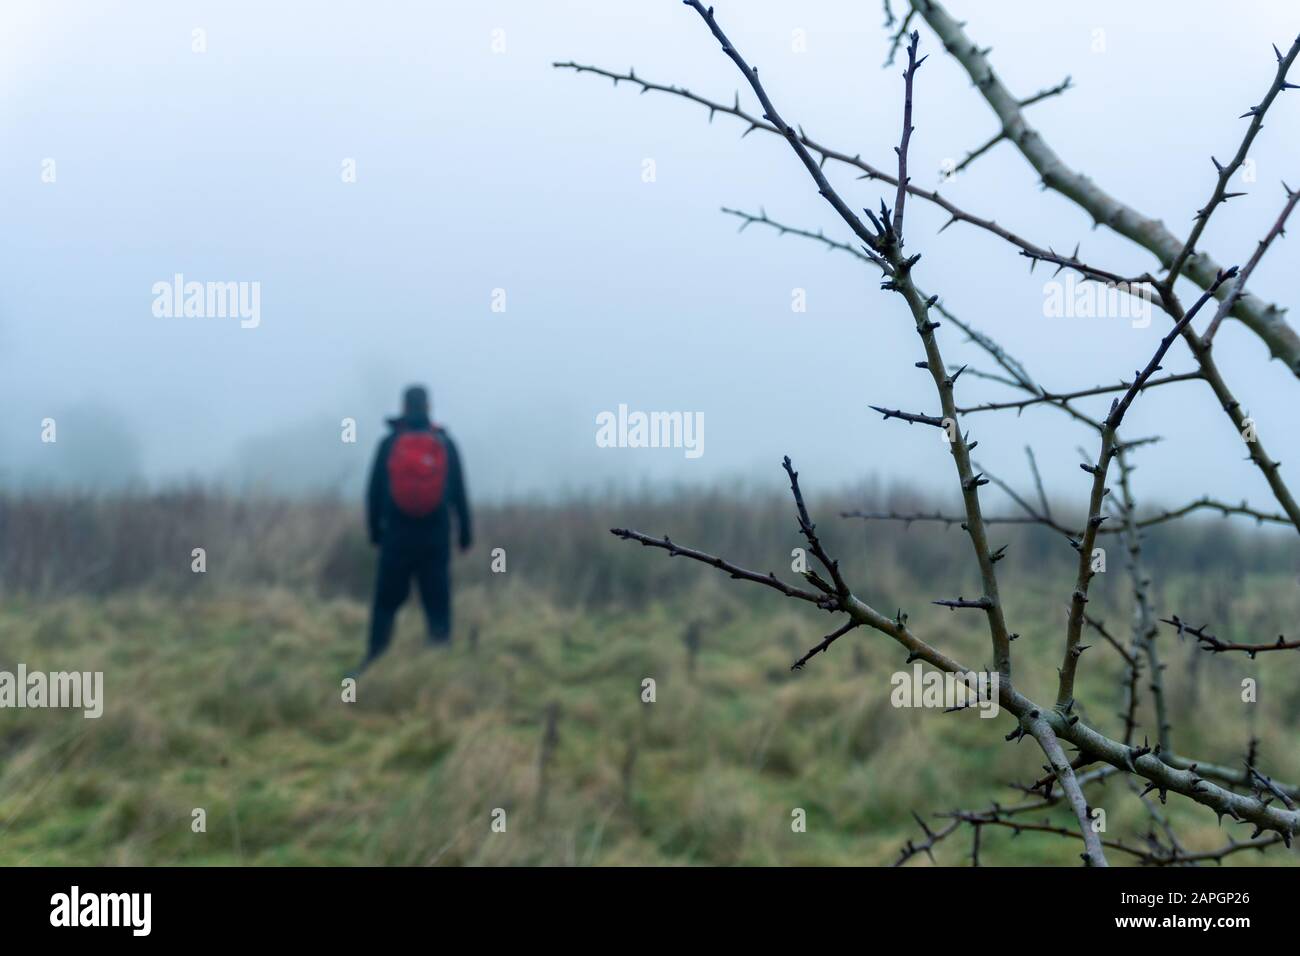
(881, 244)
(1226, 172)
(1209, 642)
(1178, 257)
(1144, 627)
(1121, 405)
(1023, 403)
(1021, 380)
(1265, 321)
(1038, 395)
(1230, 300)
(1143, 635)
(826, 153)
(886, 243)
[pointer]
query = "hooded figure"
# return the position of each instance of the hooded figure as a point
(416, 483)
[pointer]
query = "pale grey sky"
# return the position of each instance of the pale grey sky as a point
(478, 170)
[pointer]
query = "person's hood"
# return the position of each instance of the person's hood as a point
(411, 422)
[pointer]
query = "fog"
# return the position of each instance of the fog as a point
(485, 177)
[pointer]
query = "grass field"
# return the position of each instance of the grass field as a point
(228, 698)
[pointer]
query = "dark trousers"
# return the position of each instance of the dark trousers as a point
(402, 557)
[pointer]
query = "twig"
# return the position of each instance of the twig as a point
(827, 153)
(1073, 648)
(1144, 625)
(1226, 172)
(1038, 483)
(1038, 97)
(1279, 229)
(825, 643)
(1055, 397)
(809, 531)
(1211, 643)
(896, 40)
(909, 77)
(768, 580)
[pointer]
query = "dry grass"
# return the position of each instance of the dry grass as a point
(223, 692)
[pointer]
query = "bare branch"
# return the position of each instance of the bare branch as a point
(1269, 468)
(896, 40)
(1270, 786)
(1056, 398)
(1020, 378)
(1265, 321)
(1110, 638)
(1042, 731)
(1129, 284)
(1073, 648)
(947, 519)
(1279, 229)
(1043, 518)
(1179, 775)
(769, 580)
(831, 244)
(1207, 641)
(1161, 856)
(827, 153)
(994, 814)
(1050, 727)
(980, 603)
(825, 643)
(1038, 483)
(780, 126)
(1221, 194)
(1038, 97)
(909, 76)
(912, 418)
(911, 849)
(1139, 382)
(887, 243)
(1223, 508)
(1132, 673)
(809, 531)
(1144, 625)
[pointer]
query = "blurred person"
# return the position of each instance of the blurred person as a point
(416, 482)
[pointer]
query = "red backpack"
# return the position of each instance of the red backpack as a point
(417, 472)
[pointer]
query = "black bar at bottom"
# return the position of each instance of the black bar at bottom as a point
(337, 905)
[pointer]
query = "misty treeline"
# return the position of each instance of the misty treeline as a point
(70, 543)
(94, 446)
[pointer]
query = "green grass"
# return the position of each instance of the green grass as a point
(233, 704)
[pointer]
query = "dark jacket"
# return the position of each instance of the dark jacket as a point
(383, 516)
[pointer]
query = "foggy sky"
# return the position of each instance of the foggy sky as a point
(479, 170)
